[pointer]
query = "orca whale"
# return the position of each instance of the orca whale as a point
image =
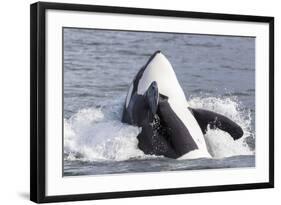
(170, 127)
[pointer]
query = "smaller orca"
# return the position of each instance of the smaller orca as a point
(156, 103)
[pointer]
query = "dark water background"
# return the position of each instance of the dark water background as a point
(99, 65)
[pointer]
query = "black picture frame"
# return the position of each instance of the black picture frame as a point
(38, 100)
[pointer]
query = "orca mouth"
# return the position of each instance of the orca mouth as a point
(159, 129)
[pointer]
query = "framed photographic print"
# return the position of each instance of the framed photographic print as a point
(129, 102)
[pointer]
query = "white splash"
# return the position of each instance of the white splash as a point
(90, 134)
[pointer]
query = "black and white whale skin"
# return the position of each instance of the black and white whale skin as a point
(156, 103)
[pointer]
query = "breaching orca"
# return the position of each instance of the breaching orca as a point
(156, 103)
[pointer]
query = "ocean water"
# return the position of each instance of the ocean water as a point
(216, 73)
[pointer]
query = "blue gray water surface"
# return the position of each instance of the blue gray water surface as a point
(99, 65)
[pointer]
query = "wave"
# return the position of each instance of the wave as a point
(97, 133)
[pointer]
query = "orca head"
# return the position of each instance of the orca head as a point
(158, 69)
